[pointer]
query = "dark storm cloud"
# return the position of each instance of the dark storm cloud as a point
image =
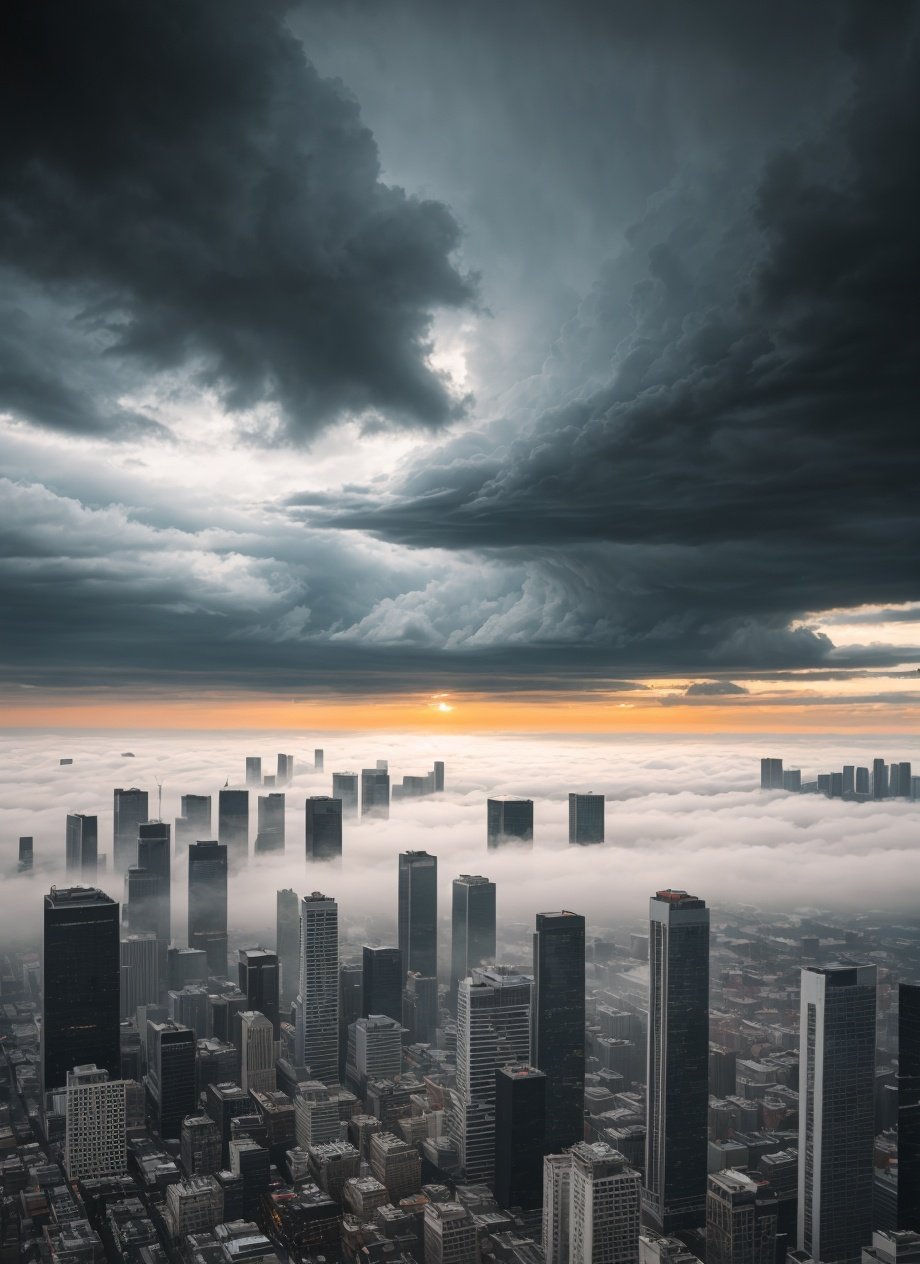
(180, 189)
(713, 688)
(754, 453)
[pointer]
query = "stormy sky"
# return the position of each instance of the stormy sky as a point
(378, 347)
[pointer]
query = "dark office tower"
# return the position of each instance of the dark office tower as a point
(130, 812)
(418, 912)
(317, 1043)
(904, 778)
(586, 818)
(420, 1008)
(318, 760)
(862, 780)
(472, 928)
(253, 770)
(153, 854)
(258, 970)
(438, 776)
(908, 1105)
(520, 1118)
(345, 787)
(81, 984)
(558, 1024)
(351, 991)
(324, 828)
(674, 1195)
(849, 779)
(894, 780)
(141, 908)
(82, 847)
(207, 903)
(771, 778)
(836, 785)
(383, 981)
(271, 823)
(836, 1110)
(375, 793)
(287, 926)
(195, 821)
(233, 825)
(170, 1076)
(509, 821)
(879, 779)
(792, 780)
(26, 856)
(285, 770)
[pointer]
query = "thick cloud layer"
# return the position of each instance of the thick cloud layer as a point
(191, 195)
(680, 813)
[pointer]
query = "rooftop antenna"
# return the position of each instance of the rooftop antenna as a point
(159, 799)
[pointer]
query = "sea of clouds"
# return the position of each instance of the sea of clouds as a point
(681, 812)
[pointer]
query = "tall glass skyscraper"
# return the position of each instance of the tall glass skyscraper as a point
(472, 927)
(418, 912)
(317, 1041)
(345, 787)
(836, 1110)
(194, 823)
(258, 980)
(323, 828)
(509, 821)
(271, 823)
(375, 792)
(82, 848)
(383, 980)
(233, 825)
(130, 811)
(287, 926)
(586, 818)
(154, 854)
(908, 1105)
(674, 1195)
(207, 902)
(81, 985)
(559, 1024)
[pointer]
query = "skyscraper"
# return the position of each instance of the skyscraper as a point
(741, 1218)
(375, 793)
(287, 924)
(605, 1206)
(836, 1110)
(95, 1138)
(345, 787)
(129, 813)
(233, 825)
(207, 903)
(253, 770)
(257, 1053)
(81, 984)
(472, 927)
(520, 1128)
(271, 823)
(586, 818)
(318, 998)
(771, 774)
(420, 1008)
(82, 847)
(323, 828)
(140, 972)
(674, 1196)
(154, 855)
(879, 779)
(493, 1029)
(26, 855)
(418, 912)
(318, 760)
(438, 771)
(258, 980)
(557, 1201)
(383, 982)
(170, 1076)
(284, 773)
(141, 896)
(351, 988)
(559, 1024)
(509, 821)
(908, 1105)
(194, 823)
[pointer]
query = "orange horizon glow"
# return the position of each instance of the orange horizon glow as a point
(456, 713)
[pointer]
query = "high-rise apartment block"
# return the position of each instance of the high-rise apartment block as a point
(95, 1138)
(605, 1206)
(318, 997)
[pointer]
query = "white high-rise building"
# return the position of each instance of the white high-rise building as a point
(257, 1053)
(378, 1049)
(493, 1030)
(317, 1041)
(605, 1206)
(95, 1137)
(557, 1199)
(836, 1110)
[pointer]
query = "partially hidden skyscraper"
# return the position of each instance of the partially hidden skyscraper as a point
(418, 912)
(82, 847)
(323, 828)
(270, 836)
(81, 984)
(154, 854)
(509, 821)
(559, 1024)
(382, 983)
(287, 927)
(130, 811)
(586, 818)
(908, 1105)
(207, 902)
(317, 1030)
(472, 927)
(375, 793)
(345, 787)
(233, 825)
(674, 1194)
(836, 1110)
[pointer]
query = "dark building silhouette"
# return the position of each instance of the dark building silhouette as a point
(345, 787)
(674, 1194)
(558, 1023)
(284, 773)
(472, 928)
(908, 1105)
(259, 983)
(154, 855)
(351, 991)
(586, 818)
(26, 855)
(194, 823)
(130, 811)
(318, 760)
(81, 987)
(862, 780)
(233, 825)
(420, 1008)
(287, 919)
(82, 847)
(375, 793)
(520, 1122)
(879, 779)
(509, 821)
(438, 776)
(323, 828)
(418, 912)
(253, 770)
(771, 777)
(171, 1086)
(270, 836)
(141, 895)
(207, 903)
(382, 983)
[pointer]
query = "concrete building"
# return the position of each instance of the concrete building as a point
(605, 1206)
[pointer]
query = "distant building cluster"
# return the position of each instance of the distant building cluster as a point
(852, 782)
